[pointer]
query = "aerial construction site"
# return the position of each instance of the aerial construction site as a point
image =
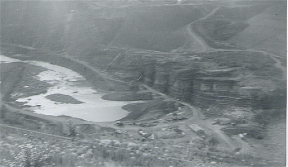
(143, 83)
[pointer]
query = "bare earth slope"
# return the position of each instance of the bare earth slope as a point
(266, 31)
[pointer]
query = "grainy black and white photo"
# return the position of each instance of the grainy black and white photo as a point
(143, 83)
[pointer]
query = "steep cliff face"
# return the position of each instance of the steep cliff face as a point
(207, 82)
(162, 76)
(181, 84)
(149, 71)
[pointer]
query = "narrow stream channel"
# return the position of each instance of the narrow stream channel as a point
(69, 83)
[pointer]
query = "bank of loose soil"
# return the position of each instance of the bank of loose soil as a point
(148, 110)
(128, 96)
(63, 99)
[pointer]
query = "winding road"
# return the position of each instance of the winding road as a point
(195, 37)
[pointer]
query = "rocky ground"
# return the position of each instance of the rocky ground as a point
(20, 147)
(274, 143)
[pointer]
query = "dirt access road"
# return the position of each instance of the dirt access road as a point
(195, 37)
